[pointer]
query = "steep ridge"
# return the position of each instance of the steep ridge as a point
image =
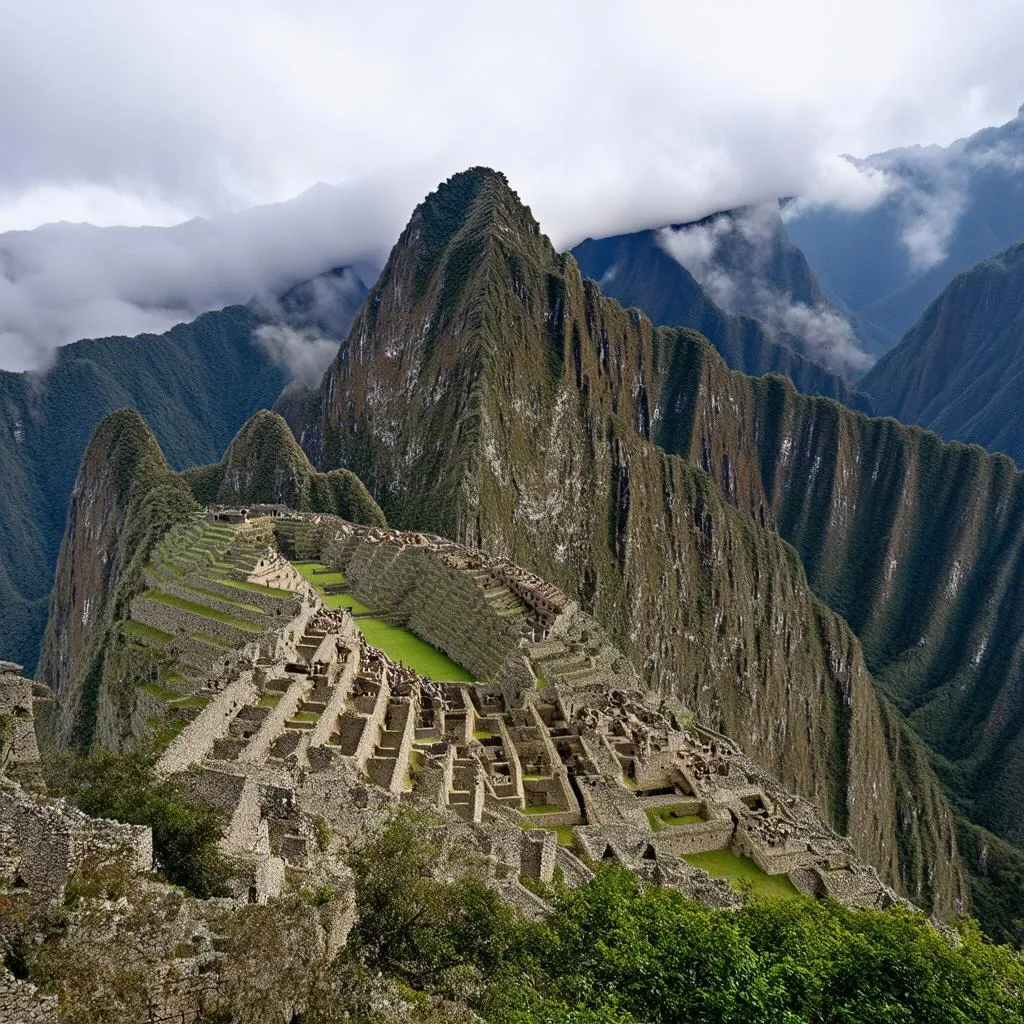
(960, 369)
(264, 464)
(637, 271)
(195, 386)
(125, 496)
(489, 393)
(124, 500)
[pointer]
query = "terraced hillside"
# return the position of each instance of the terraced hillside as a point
(554, 761)
(198, 610)
(148, 591)
(551, 414)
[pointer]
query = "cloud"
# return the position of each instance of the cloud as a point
(68, 281)
(312, 320)
(736, 258)
(605, 117)
(303, 353)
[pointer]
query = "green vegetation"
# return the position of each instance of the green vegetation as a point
(125, 787)
(205, 610)
(275, 470)
(403, 646)
(142, 631)
(318, 573)
(563, 832)
(353, 604)
(612, 951)
(321, 576)
(741, 873)
(541, 809)
(660, 817)
(212, 641)
(255, 588)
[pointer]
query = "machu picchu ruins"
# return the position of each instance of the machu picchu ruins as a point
(267, 690)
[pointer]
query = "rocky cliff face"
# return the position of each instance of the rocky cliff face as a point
(960, 369)
(124, 496)
(488, 392)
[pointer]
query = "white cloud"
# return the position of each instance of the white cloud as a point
(605, 117)
(732, 258)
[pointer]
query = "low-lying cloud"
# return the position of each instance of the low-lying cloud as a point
(733, 258)
(628, 117)
(63, 282)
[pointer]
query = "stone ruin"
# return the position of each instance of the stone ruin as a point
(554, 761)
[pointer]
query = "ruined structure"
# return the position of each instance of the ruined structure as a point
(553, 760)
(306, 736)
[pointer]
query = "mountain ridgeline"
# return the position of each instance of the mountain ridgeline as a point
(489, 392)
(960, 369)
(195, 386)
(636, 270)
(125, 498)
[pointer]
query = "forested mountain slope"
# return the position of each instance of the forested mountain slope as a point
(960, 369)
(195, 386)
(636, 270)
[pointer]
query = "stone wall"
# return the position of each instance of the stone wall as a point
(17, 731)
(20, 1003)
(44, 843)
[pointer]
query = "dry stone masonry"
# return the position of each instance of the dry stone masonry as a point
(554, 759)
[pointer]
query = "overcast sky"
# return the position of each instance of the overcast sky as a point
(606, 116)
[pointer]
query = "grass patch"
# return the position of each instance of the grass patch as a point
(270, 700)
(401, 645)
(542, 809)
(197, 700)
(482, 734)
(563, 832)
(741, 873)
(139, 629)
(212, 641)
(204, 610)
(255, 609)
(664, 817)
(353, 604)
(305, 716)
(155, 690)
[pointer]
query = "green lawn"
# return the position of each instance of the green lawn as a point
(202, 609)
(320, 575)
(741, 873)
(353, 604)
(403, 646)
(144, 632)
(212, 641)
(660, 817)
(541, 809)
(564, 832)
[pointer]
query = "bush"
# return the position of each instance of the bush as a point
(124, 786)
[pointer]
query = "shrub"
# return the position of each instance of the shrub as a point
(124, 786)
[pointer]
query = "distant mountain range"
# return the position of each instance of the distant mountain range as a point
(640, 270)
(195, 386)
(948, 208)
(960, 369)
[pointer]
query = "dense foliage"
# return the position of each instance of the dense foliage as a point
(612, 950)
(126, 788)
